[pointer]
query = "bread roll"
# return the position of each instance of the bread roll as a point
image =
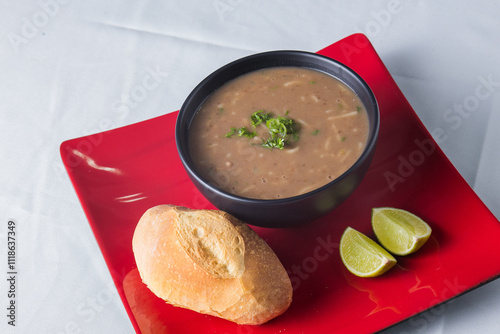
(210, 262)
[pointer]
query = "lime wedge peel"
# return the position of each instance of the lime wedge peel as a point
(399, 231)
(362, 256)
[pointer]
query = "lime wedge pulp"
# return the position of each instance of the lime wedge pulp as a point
(399, 231)
(362, 256)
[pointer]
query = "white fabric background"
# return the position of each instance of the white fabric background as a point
(67, 69)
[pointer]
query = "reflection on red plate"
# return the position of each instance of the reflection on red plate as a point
(120, 173)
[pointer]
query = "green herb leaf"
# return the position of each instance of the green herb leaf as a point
(276, 127)
(259, 117)
(230, 133)
(275, 143)
(244, 132)
(280, 129)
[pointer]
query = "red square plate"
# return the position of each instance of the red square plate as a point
(120, 173)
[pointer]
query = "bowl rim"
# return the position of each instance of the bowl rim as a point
(184, 151)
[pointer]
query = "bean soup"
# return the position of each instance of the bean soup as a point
(278, 132)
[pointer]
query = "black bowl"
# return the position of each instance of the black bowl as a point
(292, 210)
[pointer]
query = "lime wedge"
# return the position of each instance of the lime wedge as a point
(399, 231)
(362, 256)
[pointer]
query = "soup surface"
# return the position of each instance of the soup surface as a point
(327, 132)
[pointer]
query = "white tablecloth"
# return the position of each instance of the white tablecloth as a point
(69, 68)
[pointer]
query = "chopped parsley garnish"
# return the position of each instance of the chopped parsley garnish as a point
(276, 142)
(281, 129)
(315, 132)
(259, 117)
(241, 132)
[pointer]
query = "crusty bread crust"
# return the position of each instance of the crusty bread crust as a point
(210, 262)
